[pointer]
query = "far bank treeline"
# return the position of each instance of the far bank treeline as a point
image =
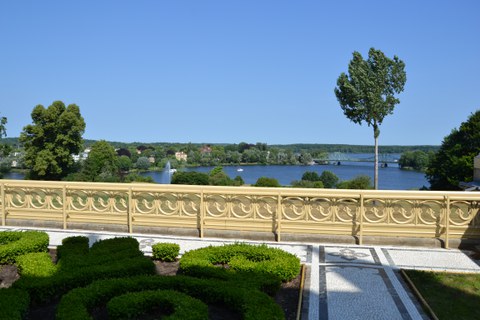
(52, 148)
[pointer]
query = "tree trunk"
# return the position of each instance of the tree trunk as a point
(376, 133)
(375, 179)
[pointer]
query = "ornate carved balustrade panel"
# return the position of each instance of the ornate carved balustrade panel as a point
(275, 210)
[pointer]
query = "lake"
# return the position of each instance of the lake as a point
(390, 178)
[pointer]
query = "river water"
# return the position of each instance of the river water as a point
(390, 178)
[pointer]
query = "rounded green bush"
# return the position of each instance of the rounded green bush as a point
(241, 257)
(165, 251)
(177, 305)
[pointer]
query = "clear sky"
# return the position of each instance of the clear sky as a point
(226, 71)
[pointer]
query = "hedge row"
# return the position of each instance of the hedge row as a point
(14, 244)
(78, 266)
(14, 304)
(251, 304)
(177, 305)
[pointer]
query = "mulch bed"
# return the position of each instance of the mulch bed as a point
(287, 297)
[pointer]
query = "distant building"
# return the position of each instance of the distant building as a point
(151, 159)
(475, 184)
(181, 156)
(82, 156)
(206, 149)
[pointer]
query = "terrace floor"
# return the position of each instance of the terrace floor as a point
(342, 281)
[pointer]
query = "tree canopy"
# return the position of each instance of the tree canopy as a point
(51, 140)
(102, 163)
(453, 163)
(367, 93)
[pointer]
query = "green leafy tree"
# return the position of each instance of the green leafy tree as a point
(417, 160)
(102, 163)
(191, 178)
(124, 163)
(366, 94)
(307, 184)
(267, 182)
(453, 163)
(359, 182)
(329, 179)
(52, 139)
(310, 176)
(5, 163)
(142, 163)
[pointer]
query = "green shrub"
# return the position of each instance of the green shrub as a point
(14, 244)
(177, 305)
(116, 257)
(267, 182)
(259, 267)
(191, 178)
(251, 304)
(13, 304)
(165, 251)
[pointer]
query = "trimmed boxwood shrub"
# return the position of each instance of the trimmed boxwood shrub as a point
(240, 257)
(118, 257)
(250, 303)
(13, 304)
(177, 305)
(15, 243)
(165, 251)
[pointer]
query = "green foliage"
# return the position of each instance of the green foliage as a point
(251, 304)
(142, 163)
(329, 179)
(238, 181)
(78, 266)
(241, 258)
(133, 177)
(453, 163)
(124, 163)
(367, 93)
(14, 244)
(310, 176)
(267, 182)
(191, 178)
(307, 184)
(14, 304)
(417, 160)
(102, 163)
(177, 305)
(359, 182)
(165, 251)
(52, 139)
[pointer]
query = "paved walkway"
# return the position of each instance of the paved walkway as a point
(342, 281)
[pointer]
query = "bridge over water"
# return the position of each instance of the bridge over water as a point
(360, 157)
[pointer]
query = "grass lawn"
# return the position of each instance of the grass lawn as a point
(450, 295)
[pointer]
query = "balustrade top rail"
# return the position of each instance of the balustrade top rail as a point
(275, 210)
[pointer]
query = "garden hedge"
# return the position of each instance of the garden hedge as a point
(78, 266)
(174, 304)
(250, 303)
(15, 243)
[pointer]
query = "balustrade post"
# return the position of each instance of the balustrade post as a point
(362, 211)
(64, 209)
(201, 214)
(129, 210)
(278, 230)
(447, 222)
(4, 214)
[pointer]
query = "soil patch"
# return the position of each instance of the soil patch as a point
(286, 297)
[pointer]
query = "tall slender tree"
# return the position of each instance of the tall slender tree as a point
(51, 140)
(366, 93)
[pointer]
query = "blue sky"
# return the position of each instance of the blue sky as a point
(229, 71)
